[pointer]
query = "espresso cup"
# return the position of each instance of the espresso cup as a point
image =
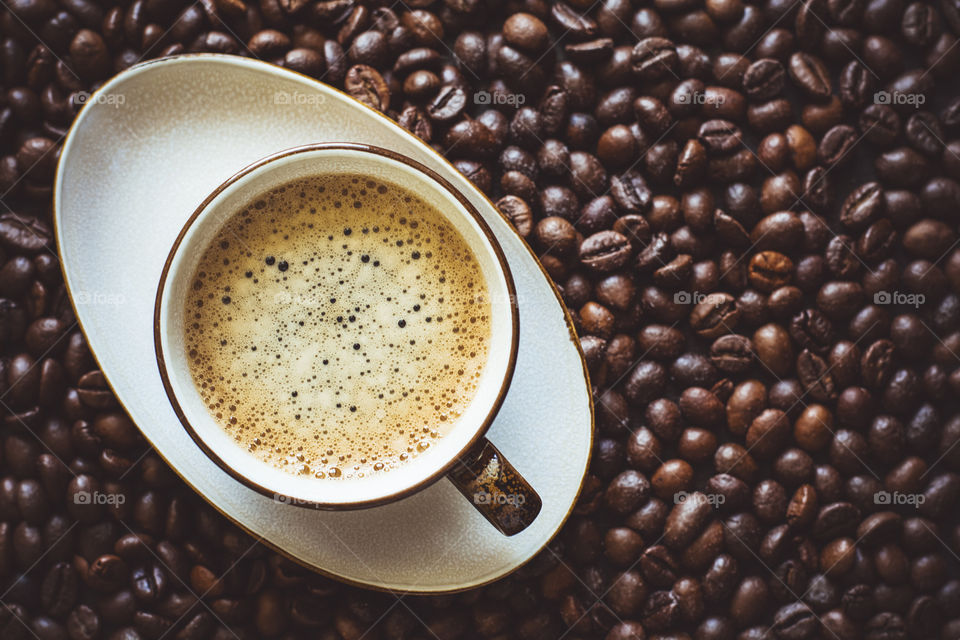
(464, 455)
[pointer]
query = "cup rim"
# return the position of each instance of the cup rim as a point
(495, 405)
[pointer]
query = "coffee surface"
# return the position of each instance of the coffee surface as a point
(337, 326)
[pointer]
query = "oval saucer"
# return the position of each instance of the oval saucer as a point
(148, 147)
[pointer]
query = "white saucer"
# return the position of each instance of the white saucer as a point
(143, 153)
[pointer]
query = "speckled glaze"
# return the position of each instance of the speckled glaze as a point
(133, 170)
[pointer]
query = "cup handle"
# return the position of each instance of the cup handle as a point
(495, 489)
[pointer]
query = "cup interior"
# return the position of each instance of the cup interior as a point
(204, 225)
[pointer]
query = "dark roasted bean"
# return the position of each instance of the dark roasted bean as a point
(365, 84)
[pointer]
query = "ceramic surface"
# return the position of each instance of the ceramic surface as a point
(134, 169)
(171, 316)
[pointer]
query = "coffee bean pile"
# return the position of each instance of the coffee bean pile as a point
(751, 211)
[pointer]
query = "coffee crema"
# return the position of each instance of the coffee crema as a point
(337, 326)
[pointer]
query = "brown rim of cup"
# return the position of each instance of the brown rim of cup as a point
(504, 267)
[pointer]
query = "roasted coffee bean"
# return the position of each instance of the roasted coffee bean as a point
(720, 136)
(769, 270)
(742, 535)
(518, 212)
(876, 364)
(802, 508)
(835, 520)
(768, 433)
(83, 623)
(880, 125)
(627, 491)
(902, 167)
(839, 299)
(836, 145)
(622, 546)
(655, 254)
(812, 330)
(600, 214)
(90, 55)
(626, 594)
(415, 120)
(58, 591)
(863, 206)
(764, 79)
(417, 58)
(661, 611)
(617, 146)
(579, 86)
(653, 58)
(589, 176)
(928, 239)
(652, 115)
(526, 128)
(693, 369)
(658, 566)
(553, 109)
(810, 75)
(448, 103)
(605, 251)
(876, 242)
(716, 315)
(924, 133)
(26, 234)
(526, 31)
(618, 292)
(781, 231)
(700, 407)
(306, 61)
(660, 342)
(570, 20)
(365, 84)
(643, 451)
(771, 344)
(148, 584)
(794, 622)
(814, 374)
(841, 258)
(857, 85)
(732, 353)
(686, 520)
(557, 201)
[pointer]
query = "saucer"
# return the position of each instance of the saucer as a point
(146, 149)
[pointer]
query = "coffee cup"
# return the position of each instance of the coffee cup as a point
(256, 449)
